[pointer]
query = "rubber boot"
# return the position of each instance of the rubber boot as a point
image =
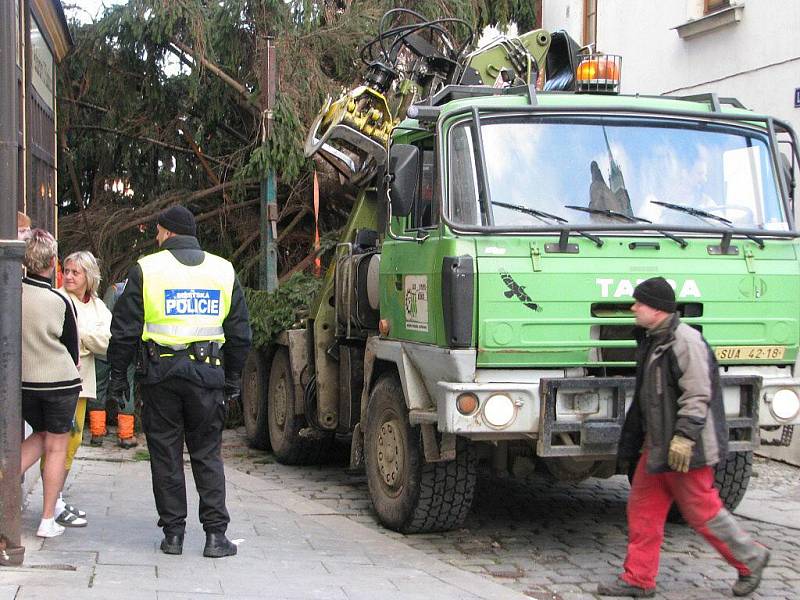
(742, 549)
(127, 439)
(97, 426)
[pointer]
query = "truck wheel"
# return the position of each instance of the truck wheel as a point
(408, 494)
(732, 476)
(254, 400)
(289, 447)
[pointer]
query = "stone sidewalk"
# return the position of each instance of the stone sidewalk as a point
(289, 547)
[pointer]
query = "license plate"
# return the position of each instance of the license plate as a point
(749, 352)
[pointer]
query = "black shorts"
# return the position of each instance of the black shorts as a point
(53, 413)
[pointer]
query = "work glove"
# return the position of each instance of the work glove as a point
(680, 453)
(118, 388)
(233, 388)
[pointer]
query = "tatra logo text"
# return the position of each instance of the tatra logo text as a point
(192, 302)
(623, 288)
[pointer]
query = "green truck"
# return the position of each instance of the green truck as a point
(477, 308)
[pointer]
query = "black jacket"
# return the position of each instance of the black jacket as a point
(128, 322)
(677, 392)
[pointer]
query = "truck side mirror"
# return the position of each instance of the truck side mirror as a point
(403, 176)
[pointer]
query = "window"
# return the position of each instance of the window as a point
(426, 210)
(590, 22)
(463, 184)
(709, 15)
(710, 6)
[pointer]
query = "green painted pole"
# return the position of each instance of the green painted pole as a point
(268, 264)
(269, 233)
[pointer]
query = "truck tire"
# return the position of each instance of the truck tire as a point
(732, 476)
(288, 445)
(254, 400)
(408, 494)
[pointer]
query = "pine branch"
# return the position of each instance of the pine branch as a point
(224, 209)
(173, 147)
(157, 205)
(243, 95)
(83, 103)
(76, 189)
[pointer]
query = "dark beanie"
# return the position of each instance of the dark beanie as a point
(656, 293)
(178, 220)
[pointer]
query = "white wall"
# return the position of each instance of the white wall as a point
(756, 60)
(564, 14)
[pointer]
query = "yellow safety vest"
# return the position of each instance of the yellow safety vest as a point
(185, 304)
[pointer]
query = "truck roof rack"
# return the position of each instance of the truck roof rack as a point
(714, 102)
(459, 92)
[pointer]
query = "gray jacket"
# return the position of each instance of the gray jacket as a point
(677, 392)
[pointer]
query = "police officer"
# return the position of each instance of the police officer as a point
(183, 318)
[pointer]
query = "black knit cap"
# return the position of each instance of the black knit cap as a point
(656, 293)
(179, 220)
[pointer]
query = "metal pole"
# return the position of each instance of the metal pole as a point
(268, 271)
(11, 252)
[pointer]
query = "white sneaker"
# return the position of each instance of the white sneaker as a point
(48, 528)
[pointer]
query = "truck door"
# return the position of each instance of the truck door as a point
(409, 266)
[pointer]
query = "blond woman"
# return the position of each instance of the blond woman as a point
(81, 281)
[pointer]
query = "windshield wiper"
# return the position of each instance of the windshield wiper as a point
(540, 214)
(608, 213)
(531, 211)
(613, 213)
(696, 212)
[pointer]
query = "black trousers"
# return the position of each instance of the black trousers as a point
(175, 410)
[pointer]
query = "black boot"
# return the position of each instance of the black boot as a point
(622, 588)
(172, 544)
(217, 546)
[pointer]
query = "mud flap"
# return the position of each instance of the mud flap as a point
(434, 451)
(357, 450)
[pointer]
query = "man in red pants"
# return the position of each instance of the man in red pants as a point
(677, 420)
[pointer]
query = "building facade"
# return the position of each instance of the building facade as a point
(43, 40)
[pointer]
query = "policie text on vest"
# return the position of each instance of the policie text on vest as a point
(192, 302)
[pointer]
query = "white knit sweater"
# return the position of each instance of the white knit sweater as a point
(94, 328)
(50, 347)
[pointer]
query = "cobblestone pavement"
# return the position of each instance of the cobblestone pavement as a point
(551, 540)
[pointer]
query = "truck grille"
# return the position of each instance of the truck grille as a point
(618, 332)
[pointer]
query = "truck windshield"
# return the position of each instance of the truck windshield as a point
(610, 170)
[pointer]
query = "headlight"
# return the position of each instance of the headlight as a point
(785, 404)
(499, 410)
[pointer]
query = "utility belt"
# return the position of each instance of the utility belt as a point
(209, 353)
